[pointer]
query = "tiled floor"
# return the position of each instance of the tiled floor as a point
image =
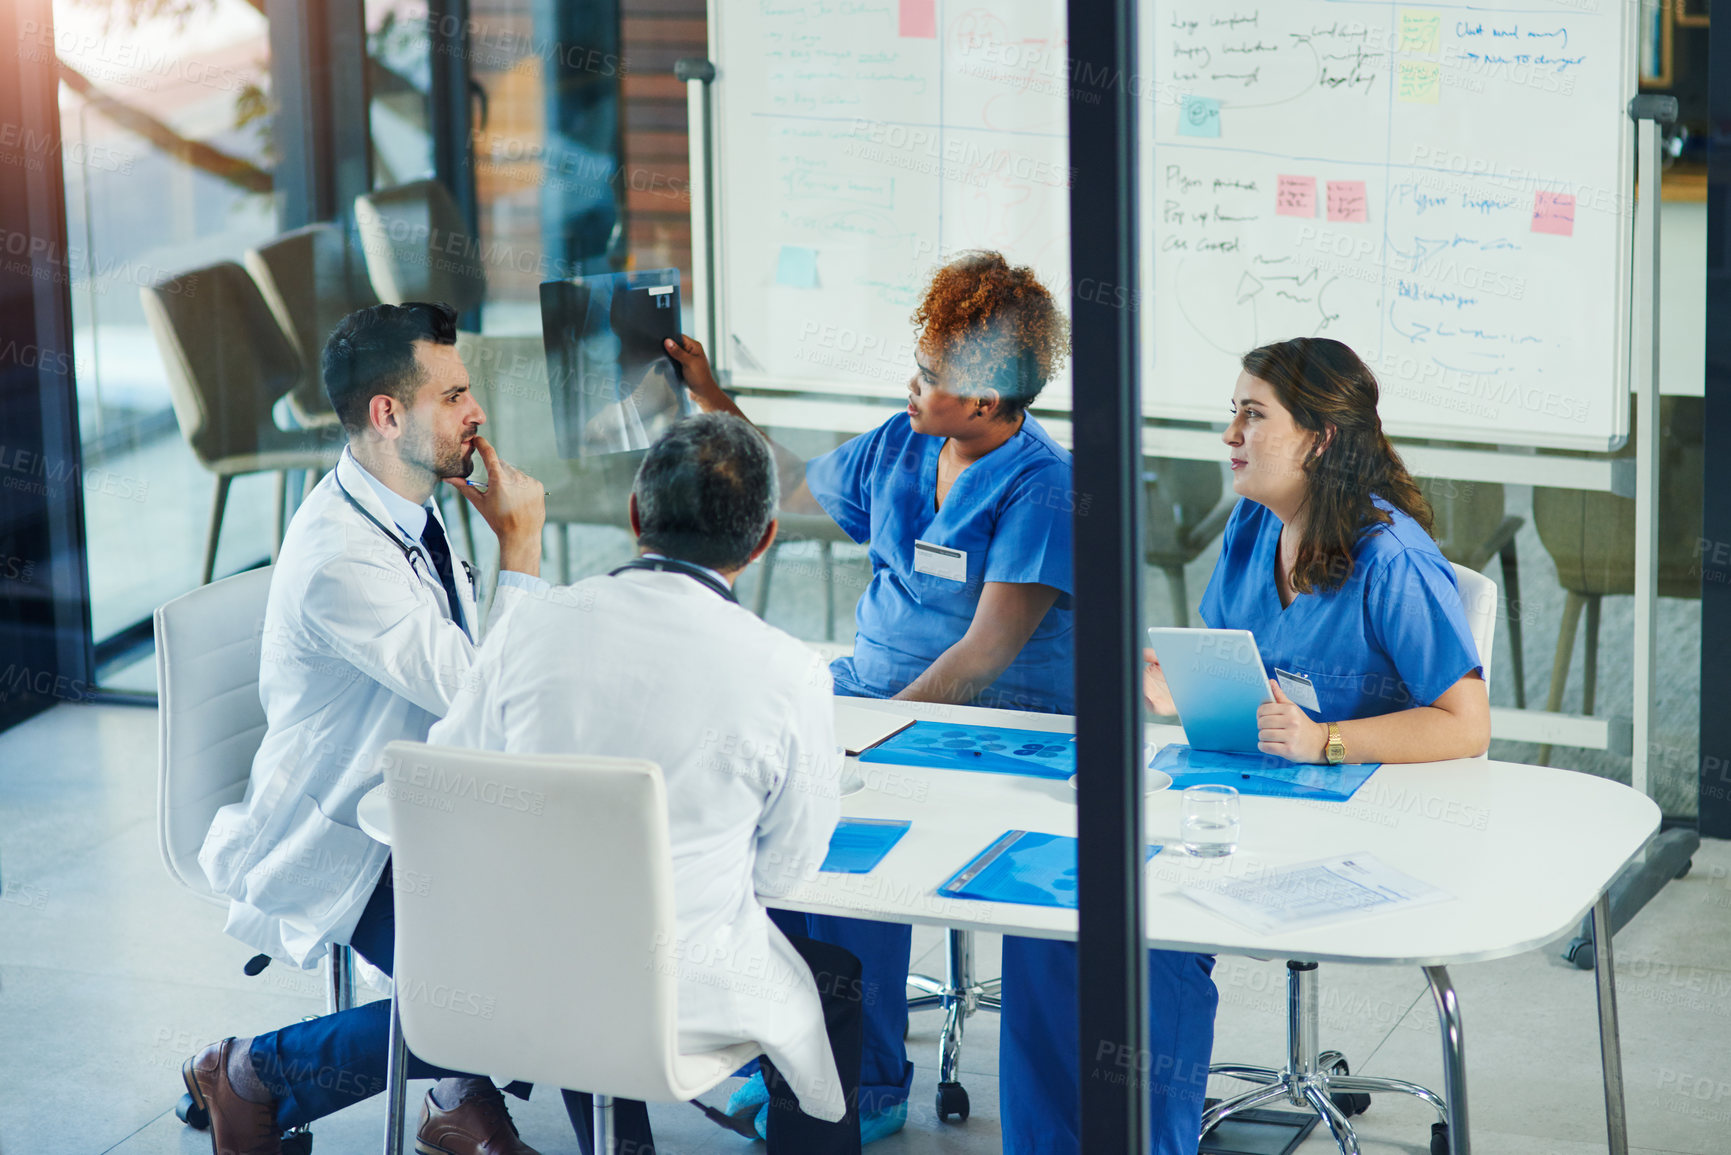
(110, 975)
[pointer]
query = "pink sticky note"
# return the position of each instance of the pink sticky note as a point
(920, 18)
(1346, 201)
(1554, 212)
(1295, 196)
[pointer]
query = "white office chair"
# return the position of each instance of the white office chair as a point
(209, 726)
(574, 985)
(1322, 1081)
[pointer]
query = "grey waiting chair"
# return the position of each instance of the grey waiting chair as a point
(228, 363)
(801, 527)
(1471, 528)
(418, 247)
(1591, 538)
(311, 278)
(1186, 508)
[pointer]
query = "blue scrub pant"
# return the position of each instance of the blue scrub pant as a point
(319, 1067)
(884, 950)
(1039, 1067)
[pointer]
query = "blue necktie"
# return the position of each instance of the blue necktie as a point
(433, 537)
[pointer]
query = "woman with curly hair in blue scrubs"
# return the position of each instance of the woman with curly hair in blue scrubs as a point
(965, 500)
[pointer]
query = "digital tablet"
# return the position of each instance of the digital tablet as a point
(1217, 681)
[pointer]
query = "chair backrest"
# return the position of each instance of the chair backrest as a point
(210, 720)
(1180, 495)
(418, 246)
(311, 279)
(560, 873)
(1466, 515)
(228, 360)
(1591, 535)
(1479, 598)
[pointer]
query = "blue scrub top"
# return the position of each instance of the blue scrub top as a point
(1393, 636)
(1009, 512)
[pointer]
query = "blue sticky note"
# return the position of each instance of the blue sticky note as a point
(859, 844)
(796, 267)
(1200, 116)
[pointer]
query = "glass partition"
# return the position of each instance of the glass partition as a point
(168, 158)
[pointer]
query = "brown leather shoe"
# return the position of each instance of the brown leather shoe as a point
(479, 1125)
(237, 1126)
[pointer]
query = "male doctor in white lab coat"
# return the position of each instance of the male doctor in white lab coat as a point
(369, 632)
(740, 718)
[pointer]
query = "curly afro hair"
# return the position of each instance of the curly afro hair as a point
(992, 326)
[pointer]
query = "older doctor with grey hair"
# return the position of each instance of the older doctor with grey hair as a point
(369, 631)
(658, 661)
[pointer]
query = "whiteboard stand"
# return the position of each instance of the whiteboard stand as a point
(697, 75)
(1668, 855)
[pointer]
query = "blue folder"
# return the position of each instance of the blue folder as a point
(859, 844)
(1023, 866)
(1261, 774)
(950, 746)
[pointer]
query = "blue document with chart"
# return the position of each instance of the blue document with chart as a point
(1261, 774)
(859, 844)
(1023, 866)
(994, 749)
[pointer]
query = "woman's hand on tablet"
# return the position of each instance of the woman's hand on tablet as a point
(1154, 688)
(1285, 730)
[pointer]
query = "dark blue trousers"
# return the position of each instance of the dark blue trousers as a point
(319, 1067)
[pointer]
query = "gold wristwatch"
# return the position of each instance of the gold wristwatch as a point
(1336, 748)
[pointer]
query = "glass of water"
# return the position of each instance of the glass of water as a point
(1208, 823)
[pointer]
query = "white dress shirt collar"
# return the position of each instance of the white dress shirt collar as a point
(410, 518)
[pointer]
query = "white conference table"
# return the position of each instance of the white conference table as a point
(1525, 851)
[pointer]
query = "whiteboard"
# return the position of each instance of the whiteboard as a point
(1445, 188)
(860, 144)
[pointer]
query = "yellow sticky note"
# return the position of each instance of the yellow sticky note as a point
(1420, 31)
(1418, 82)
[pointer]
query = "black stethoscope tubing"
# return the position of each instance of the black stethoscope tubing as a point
(674, 565)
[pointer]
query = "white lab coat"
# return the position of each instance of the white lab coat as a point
(739, 716)
(358, 651)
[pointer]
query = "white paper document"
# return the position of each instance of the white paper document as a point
(1308, 894)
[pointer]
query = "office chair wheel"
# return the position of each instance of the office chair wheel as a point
(1348, 1103)
(1580, 952)
(952, 1100)
(1439, 1139)
(1688, 864)
(297, 1143)
(191, 1114)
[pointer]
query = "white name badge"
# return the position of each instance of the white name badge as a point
(940, 561)
(1298, 688)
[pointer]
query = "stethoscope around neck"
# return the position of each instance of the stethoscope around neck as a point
(419, 563)
(674, 565)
